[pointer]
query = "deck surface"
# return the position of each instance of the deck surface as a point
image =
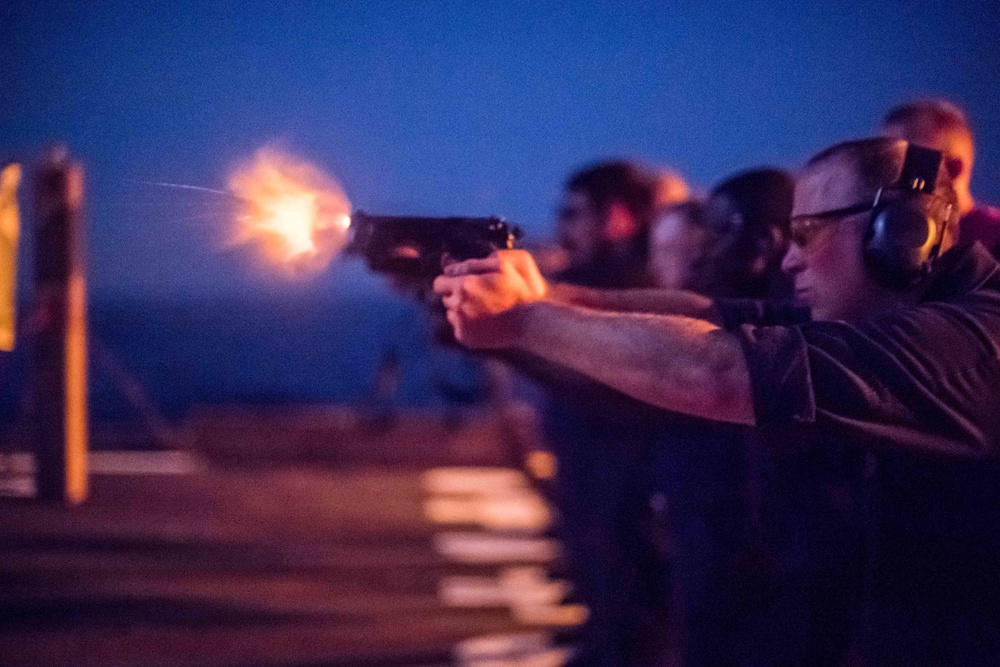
(291, 566)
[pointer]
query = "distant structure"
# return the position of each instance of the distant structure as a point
(58, 398)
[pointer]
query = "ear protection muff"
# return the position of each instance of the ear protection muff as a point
(904, 233)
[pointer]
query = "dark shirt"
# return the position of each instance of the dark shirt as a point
(806, 469)
(767, 534)
(982, 224)
(600, 438)
(918, 388)
(921, 380)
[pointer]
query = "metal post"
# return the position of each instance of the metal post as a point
(59, 360)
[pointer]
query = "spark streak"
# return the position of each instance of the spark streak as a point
(185, 186)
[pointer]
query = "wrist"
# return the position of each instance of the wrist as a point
(562, 293)
(521, 323)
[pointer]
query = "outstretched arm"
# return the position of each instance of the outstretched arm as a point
(673, 362)
(656, 301)
(679, 363)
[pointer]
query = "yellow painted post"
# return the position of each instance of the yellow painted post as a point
(59, 390)
(10, 176)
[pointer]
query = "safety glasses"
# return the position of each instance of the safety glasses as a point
(804, 228)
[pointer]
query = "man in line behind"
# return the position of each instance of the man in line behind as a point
(766, 537)
(601, 486)
(604, 218)
(943, 126)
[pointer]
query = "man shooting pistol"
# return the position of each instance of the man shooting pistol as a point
(900, 358)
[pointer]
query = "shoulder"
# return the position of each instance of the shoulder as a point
(982, 215)
(982, 224)
(930, 343)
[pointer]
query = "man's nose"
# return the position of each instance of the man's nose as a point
(794, 260)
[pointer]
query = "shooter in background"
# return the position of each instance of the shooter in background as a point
(747, 217)
(943, 126)
(603, 222)
(600, 438)
(678, 240)
(745, 597)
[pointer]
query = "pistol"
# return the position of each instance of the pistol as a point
(413, 250)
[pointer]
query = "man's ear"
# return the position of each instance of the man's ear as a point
(620, 224)
(955, 167)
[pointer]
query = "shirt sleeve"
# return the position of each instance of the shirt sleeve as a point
(914, 381)
(778, 362)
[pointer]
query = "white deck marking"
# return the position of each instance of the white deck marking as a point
(17, 470)
(115, 463)
(529, 649)
(487, 548)
(462, 480)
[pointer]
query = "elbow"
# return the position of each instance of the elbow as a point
(720, 392)
(727, 396)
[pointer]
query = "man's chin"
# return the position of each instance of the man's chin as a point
(818, 311)
(804, 297)
(821, 312)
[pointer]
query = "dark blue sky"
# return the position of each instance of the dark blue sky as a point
(451, 107)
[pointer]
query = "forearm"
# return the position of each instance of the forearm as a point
(678, 363)
(655, 301)
(551, 375)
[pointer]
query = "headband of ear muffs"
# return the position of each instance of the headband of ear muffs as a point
(904, 233)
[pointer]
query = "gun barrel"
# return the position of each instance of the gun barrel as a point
(417, 247)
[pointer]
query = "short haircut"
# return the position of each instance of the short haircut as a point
(748, 214)
(670, 189)
(618, 181)
(878, 162)
(762, 197)
(938, 114)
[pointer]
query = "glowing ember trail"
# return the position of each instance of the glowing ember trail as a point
(297, 214)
